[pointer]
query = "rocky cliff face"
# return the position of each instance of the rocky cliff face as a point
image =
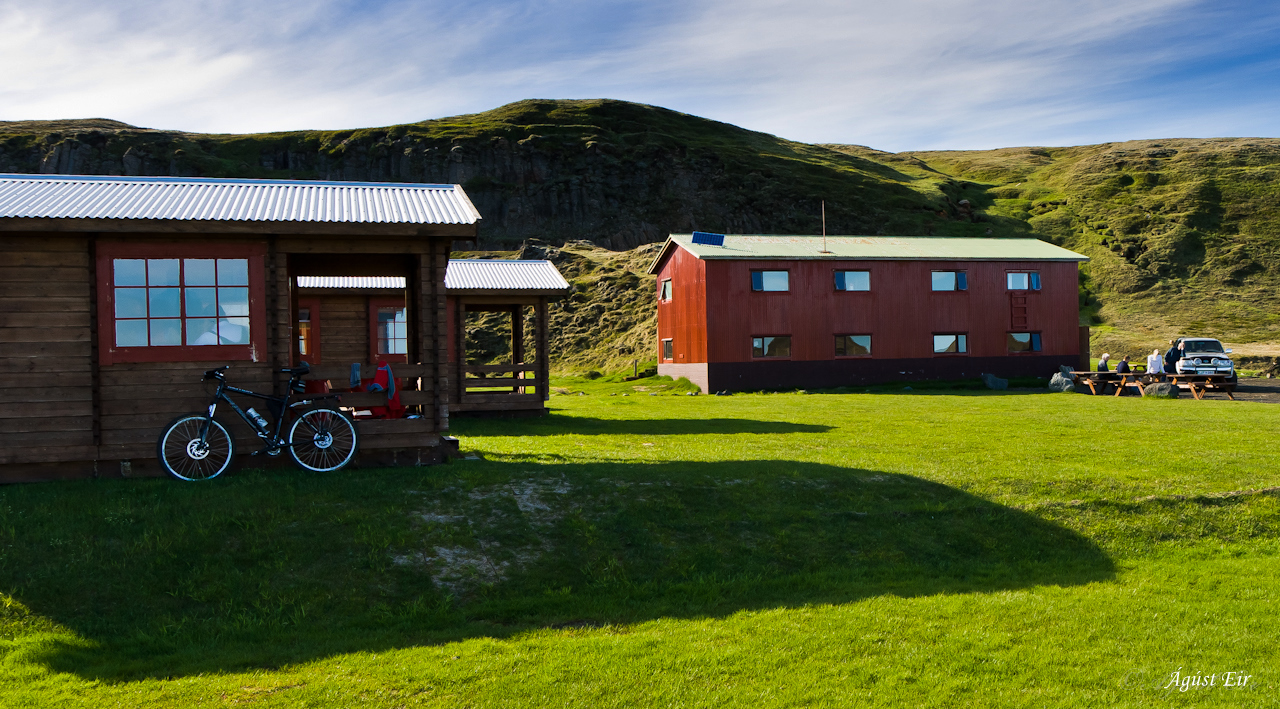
(617, 174)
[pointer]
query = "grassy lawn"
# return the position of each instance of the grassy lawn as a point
(924, 548)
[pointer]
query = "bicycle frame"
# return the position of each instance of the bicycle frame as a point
(273, 443)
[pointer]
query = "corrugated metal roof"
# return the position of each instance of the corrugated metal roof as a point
(208, 199)
(479, 274)
(932, 248)
(366, 282)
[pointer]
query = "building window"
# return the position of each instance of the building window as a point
(950, 280)
(309, 330)
(668, 349)
(853, 280)
(950, 344)
(770, 281)
(777, 346)
(1024, 342)
(1023, 280)
(179, 303)
(665, 293)
(393, 331)
(853, 345)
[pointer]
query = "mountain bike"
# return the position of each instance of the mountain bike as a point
(320, 438)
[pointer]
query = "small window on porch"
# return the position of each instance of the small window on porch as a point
(393, 331)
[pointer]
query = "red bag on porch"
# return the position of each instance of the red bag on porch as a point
(384, 380)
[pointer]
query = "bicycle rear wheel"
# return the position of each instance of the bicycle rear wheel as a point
(321, 440)
(185, 456)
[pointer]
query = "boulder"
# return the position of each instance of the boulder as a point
(994, 382)
(1060, 383)
(1066, 371)
(1161, 390)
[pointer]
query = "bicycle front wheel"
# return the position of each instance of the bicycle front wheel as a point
(186, 454)
(321, 440)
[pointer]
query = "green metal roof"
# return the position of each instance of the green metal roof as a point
(896, 248)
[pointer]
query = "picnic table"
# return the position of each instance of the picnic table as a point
(1198, 384)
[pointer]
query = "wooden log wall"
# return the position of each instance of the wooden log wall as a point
(46, 354)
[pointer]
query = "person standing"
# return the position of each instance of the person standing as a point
(1172, 356)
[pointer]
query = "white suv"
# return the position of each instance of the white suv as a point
(1204, 355)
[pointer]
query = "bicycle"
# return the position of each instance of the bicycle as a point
(320, 438)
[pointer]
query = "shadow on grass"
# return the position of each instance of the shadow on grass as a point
(152, 578)
(555, 425)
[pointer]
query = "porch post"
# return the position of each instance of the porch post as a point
(460, 348)
(517, 343)
(541, 346)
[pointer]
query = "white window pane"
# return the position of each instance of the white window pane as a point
(162, 272)
(198, 272)
(944, 343)
(1018, 281)
(131, 333)
(859, 345)
(857, 280)
(775, 280)
(233, 272)
(164, 302)
(166, 333)
(200, 331)
(233, 331)
(944, 280)
(233, 302)
(202, 303)
(130, 271)
(131, 303)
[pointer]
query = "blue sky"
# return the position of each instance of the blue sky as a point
(905, 75)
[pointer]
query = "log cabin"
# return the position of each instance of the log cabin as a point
(116, 293)
(743, 312)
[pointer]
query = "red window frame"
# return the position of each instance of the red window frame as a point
(374, 304)
(662, 349)
(854, 356)
(109, 354)
(313, 308)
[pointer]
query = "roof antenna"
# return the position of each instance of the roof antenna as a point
(824, 228)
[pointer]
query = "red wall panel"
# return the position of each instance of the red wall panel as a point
(900, 312)
(684, 317)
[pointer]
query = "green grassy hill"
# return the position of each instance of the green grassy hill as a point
(1182, 233)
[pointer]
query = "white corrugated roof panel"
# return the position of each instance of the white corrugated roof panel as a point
(211, 199)
(366, 282)
(479, 274)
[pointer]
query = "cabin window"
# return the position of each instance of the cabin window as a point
(169, 302)
(853, 345)
(1024, 342)
(665, 293)
(770, 281)
(308, 330)
(1023, 280)
(950, 280)
(950, 344)
(853, 280)
(393, 331)
(178, 303)
(776, 346)
(668, 349)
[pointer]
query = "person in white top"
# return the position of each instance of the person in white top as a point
(1155, 363)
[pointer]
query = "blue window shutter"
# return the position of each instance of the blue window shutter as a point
(1035, 342)
(757, 280)
(962, 281)
(1035, 280)
(839, 280)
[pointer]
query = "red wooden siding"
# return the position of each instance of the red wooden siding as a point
(900, 312)
(683, 319)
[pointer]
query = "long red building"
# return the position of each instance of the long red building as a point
(761, 312)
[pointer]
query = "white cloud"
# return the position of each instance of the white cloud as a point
(911, 74)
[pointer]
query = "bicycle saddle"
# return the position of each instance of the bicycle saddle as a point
(298, 371)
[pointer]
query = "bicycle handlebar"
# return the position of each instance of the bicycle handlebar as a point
(216, 373)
